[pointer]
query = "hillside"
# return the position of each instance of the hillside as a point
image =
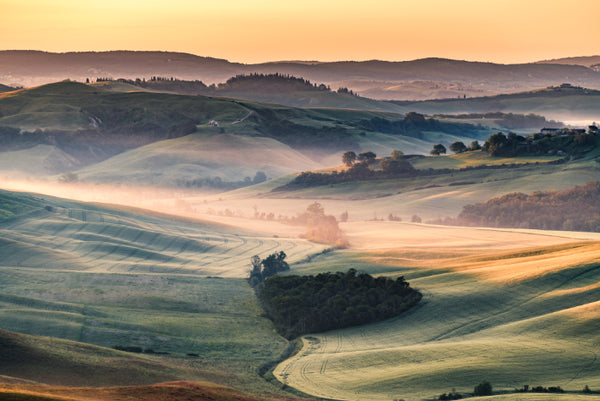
(380, 79)
(270, 88)
(501, 307)
(169, 289)
(5, 88)
(197, 159)
(565, 103)
(584, 61)
(68, 126)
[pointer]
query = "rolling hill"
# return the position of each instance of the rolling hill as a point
(380, 79)
(170, 290)
(499, 307)
(584, 61)
(185, 161)
(565, 103)
(68, 126)
(270, 88)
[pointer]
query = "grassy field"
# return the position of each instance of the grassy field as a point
(210, 154)
(112, 276)
(497, 306)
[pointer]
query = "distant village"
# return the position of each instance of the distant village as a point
(592, 130)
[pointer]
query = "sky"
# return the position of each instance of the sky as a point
(250, 31)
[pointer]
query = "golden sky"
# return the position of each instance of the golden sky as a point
(505, 31)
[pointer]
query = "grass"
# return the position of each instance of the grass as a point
(119, 277)
(497, 306)
(210, 154)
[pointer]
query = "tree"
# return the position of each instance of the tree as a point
(495, 144)
(438, 149)
(397, 154)
(273, 264)
(475, 145)
(482, 389)
(349, 158)
(255, 276)
(458, 147)
(315, 210)
(415, 219)
(344, 217)
(259, 177)
(367, 156)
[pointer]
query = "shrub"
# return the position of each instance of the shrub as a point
(482, 389)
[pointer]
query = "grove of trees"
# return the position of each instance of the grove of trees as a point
(574, 209)
(306, 304)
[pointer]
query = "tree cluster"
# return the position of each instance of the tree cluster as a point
(395, 166)
(506, 120)
(541, 389)
(262, 269)
(510, 145)
(414, 124)
(574, 209)
(321, 227)
(306, 304)
(273, 80)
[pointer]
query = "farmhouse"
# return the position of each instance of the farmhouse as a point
(551, 131)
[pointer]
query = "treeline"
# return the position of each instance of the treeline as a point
(506, 120)
(574, 209)
(307, 304)
(267, 82)
(219, 183)
(512, 144)
(414, 124)
(390, 168)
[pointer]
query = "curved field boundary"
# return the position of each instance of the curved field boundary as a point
(510, 316)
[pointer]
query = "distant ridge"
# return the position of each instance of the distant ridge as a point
(434, 77)
(586, 61)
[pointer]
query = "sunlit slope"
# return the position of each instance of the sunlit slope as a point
(512, 314)
(171, 391)
(75, 236)
(229, 157)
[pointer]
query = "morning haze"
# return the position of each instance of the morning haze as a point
(185, 216)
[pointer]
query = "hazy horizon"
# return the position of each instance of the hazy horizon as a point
(305, 61)
(496, 31)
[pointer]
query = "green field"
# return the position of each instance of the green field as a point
(505, 316)
(112, 276)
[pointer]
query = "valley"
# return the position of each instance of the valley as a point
(130, 212)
